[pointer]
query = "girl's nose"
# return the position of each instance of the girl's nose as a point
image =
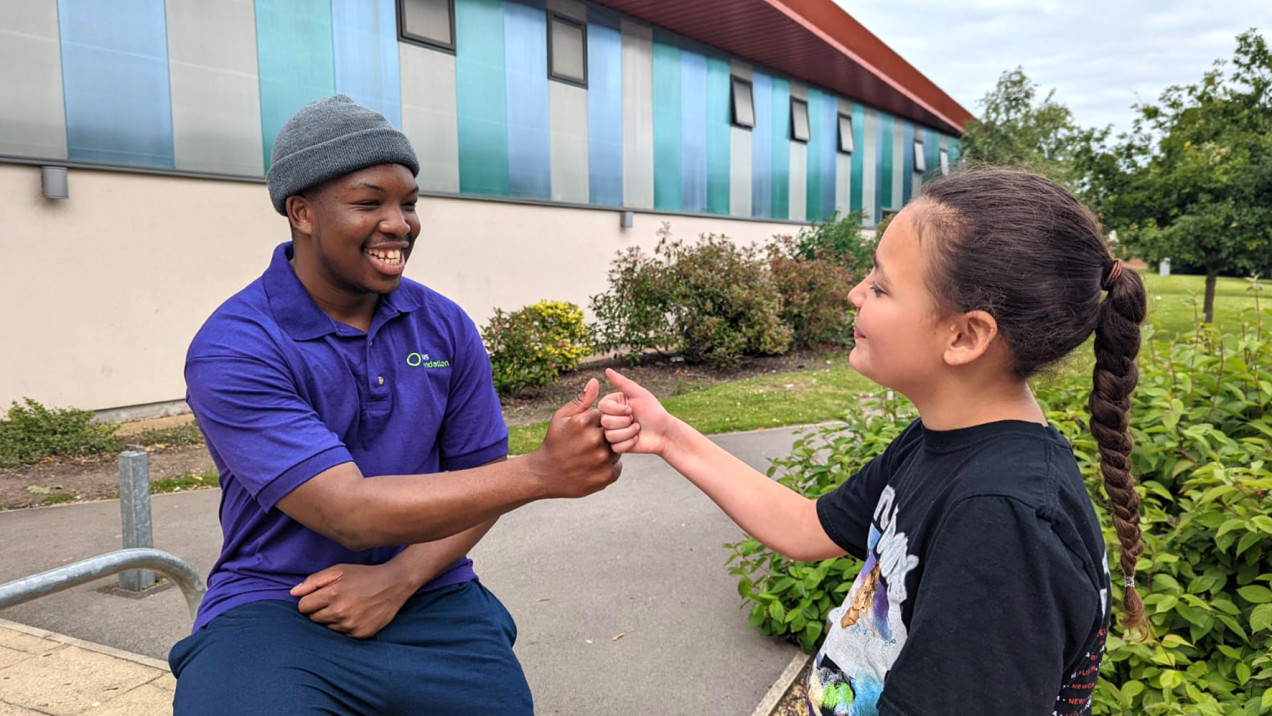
(857, 295)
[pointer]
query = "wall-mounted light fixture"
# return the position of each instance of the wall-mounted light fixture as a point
(54, 182)
(625, 220)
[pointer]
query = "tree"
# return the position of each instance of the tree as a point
(1193, 179)
(1016, 130)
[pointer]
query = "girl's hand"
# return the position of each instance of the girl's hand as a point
(633, 419)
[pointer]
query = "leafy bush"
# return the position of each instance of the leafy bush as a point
(814, 289)
(175, 436)
(32, 432)
(532, 346)
(711, 302)
(1202, 425)
(840, 239)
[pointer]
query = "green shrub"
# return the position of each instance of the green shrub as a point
(32, 432)
(175, 436)
(635, 314)
(839, 239)
(532, 346)
(814, 287)
(711, 302)
(1202, 424)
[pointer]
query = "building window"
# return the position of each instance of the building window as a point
(920, 159)
(945, 162)
(845, 134)
(799, 120)
(743, 103)
(427, 22)
(567, 50)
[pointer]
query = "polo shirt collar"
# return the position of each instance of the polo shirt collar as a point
(296, 312)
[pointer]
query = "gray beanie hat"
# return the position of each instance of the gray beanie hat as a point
(330, 138)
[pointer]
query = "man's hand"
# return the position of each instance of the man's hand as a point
(354, 599)
(574, 459)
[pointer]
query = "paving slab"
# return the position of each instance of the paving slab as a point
(622, 600)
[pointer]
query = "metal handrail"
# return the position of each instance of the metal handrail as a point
(103, 565)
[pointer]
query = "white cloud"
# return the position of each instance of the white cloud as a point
(1100, 56)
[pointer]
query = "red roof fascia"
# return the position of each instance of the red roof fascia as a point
(812, 40)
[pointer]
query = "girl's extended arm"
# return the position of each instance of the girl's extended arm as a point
(782, 519)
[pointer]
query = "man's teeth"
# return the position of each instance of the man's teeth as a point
(391, 256)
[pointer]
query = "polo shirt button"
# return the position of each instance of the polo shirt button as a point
(381, 380)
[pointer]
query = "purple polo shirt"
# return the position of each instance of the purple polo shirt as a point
(283, 392)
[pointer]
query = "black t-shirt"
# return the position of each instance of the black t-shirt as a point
(985, 588)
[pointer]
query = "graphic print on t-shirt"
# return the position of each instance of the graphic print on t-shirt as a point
(866, 632)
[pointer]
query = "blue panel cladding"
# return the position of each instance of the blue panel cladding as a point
(719, 159)
(907, 158)
(604, 108)
(762, 146)
(481, 104)
(780, 208)
(295, 57)
(823, 112)
(668, 179)
(855, 201)
(932, 150)
(364, 42)
(693, 131)
(115, 81)
(829, 154)
(812, 157)
(529, 120)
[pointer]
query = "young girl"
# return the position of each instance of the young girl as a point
(985, 588)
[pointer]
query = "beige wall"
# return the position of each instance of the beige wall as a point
(103, 291)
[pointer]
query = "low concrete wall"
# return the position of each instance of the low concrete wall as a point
(103, 291)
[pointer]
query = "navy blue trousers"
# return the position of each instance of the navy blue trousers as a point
(448, 651)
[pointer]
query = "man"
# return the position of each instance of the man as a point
(349, 412)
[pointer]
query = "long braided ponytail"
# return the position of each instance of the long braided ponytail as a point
(1117, 342)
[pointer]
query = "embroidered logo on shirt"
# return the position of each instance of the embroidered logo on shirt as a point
(422, 360)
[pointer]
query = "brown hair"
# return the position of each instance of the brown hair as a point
(1025, 250)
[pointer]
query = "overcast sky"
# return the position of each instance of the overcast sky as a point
(1101, 56)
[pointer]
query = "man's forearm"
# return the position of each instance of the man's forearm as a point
(420, 563)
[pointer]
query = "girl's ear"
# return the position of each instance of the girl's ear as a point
(971, 335)
(300, 214)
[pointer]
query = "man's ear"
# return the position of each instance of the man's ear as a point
(971, 336)
(300, 212)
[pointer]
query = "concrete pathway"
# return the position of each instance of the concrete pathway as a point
(622, 602)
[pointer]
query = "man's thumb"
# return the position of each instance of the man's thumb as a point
(581, 402)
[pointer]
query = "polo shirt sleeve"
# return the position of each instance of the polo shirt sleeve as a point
(473, 431)
(249, 409)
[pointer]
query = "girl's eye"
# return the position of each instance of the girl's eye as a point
(874, 288)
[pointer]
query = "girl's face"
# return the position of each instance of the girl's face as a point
(899, 336)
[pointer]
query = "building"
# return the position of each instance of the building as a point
(134, 135)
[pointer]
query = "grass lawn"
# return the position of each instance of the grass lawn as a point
(1171, 302)
(767, 401)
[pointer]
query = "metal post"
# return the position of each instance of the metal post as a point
(134, 504)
